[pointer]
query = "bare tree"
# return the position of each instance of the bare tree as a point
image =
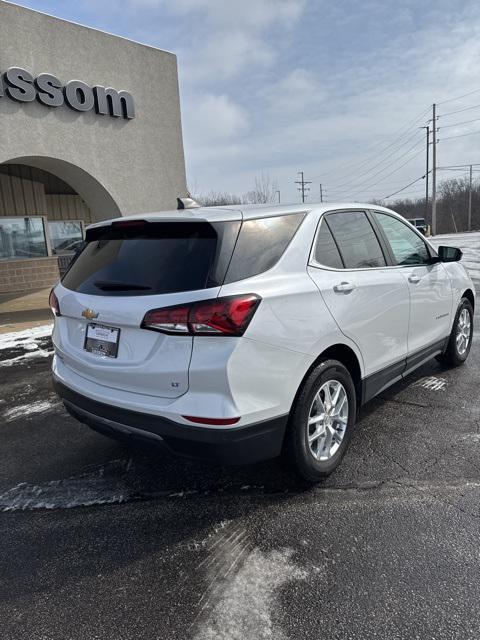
(454, 201)
(265, 191)
(452, 206)
(218, 198)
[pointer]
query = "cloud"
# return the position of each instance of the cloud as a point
(252, 14)
(298, 93)
(233, 37)
(209, 119)
(285, 85)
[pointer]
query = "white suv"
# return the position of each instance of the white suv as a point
(233, 334)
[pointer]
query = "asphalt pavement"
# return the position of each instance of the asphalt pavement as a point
(107, 542)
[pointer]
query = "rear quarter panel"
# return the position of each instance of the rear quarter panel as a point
(460, 280)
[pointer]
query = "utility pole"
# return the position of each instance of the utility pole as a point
(321, 193)
(302, 186)
(427, 170)
(278, 191)
(434, 170)
(470, 200)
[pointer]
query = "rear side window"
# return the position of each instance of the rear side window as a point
(356, 240)
(261, 244)
(326, 251)
(136, 258)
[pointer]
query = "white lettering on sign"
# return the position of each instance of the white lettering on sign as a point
(102, 333)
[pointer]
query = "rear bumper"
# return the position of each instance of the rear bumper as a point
(229, 445)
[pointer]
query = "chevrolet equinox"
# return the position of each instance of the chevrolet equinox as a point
(235, 334)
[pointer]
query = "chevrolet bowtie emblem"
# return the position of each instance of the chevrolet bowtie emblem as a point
(89, 314)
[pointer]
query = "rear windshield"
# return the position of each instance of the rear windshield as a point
(137, 258)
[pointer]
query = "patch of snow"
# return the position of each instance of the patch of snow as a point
(25, 338)
(28, 409)
(182, 493)
(245, 608)
(38, 353)
(104, 485)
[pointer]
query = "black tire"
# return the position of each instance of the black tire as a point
(451, 356)
(297, 448)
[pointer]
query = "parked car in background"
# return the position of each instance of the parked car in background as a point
(234, 335)
(421, 225)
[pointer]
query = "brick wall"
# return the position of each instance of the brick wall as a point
(26, 275)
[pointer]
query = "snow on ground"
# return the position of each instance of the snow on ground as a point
(18, 346)
(27, 338)
(245, 604)
(37, 353)
(469, 243)
(105, 484)
(25, 410)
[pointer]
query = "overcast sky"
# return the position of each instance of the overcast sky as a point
(338, 89)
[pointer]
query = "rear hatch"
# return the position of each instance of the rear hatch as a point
(126, 269)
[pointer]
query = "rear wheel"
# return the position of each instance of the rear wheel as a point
(322, 421)
(460, 339)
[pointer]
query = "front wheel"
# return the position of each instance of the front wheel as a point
(322, 421)
(460, 339)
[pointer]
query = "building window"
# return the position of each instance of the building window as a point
(65, 236)
(22, 238)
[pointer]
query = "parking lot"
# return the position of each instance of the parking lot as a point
(103, 541)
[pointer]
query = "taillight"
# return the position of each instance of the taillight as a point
(229, 316)
(53, 303)
(168, 320)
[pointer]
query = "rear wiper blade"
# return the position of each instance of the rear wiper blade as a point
(105, 285)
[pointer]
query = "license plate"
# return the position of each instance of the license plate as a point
(102, 340)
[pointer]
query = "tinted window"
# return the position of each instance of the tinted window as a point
(407, 246)
(260, 245)
(356, 240)
(152, 258)
(326, 251)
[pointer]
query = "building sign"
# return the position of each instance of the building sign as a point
(18, 84)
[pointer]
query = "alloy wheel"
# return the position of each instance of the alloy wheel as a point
(464, 330)
(328, 420)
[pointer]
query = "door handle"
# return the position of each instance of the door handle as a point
(413, 278)
(344, 287)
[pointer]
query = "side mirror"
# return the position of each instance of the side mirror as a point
(449, 254)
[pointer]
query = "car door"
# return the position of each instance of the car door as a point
(368, 299)
(430, 288)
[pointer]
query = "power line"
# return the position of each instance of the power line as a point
(470, 93)
(381, 157)
(356, 185)
(366, 191)
(457, 124)
(397, 169)
(450, 113)
(461, 135)
(389, 155)
(359, 164)
(455, 169)
(454, 166)
(405, 187)
(410, 195)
